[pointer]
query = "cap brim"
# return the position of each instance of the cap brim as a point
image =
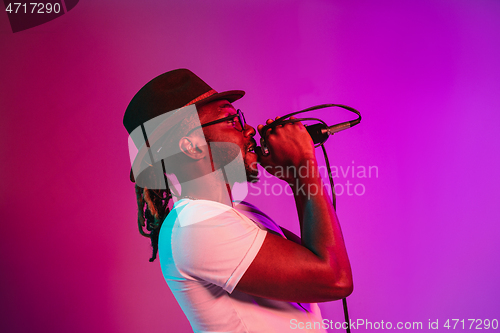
(230, 96)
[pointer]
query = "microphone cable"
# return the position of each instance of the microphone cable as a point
(319, 134)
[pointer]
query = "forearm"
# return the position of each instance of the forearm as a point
(318, 269)
(320, 229)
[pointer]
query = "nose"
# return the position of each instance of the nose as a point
(249, 130)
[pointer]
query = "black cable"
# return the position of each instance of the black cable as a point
(346, 315)
(334, 202)
(332, 186)
(283, 120)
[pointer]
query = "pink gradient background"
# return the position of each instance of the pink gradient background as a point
(423, 239)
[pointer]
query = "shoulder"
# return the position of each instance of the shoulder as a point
(197, 220)
(209, 242)
(190, 212)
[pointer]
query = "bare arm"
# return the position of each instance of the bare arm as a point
(291, 236)
(318, 269)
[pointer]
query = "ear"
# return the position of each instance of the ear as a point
(192, 147)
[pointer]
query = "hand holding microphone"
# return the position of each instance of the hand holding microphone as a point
(290, 145)
(318, 132)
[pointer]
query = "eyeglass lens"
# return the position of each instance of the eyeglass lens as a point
(241, 119)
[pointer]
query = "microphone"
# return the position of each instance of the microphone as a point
(319, 132)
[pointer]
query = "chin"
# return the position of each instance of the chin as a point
(251, 170)
(252, 174)
(252, 178)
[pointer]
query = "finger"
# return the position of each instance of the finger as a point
(291, 123)
(277, 126)
(259, 129)
(268, 131)
(298, 123)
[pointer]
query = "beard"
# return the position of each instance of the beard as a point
(251, 173)
(229, 157)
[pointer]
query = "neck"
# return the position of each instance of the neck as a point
(211, 187)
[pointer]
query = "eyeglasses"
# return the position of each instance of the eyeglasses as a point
(239, 124)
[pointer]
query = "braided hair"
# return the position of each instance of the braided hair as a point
(153, 207)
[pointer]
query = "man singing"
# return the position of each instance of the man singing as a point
(230, 267)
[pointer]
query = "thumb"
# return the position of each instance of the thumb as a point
(263, 160)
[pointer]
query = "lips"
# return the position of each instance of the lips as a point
(251, 147)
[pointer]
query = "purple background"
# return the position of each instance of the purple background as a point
(425, 75)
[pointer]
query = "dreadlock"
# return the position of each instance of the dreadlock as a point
(153, 207)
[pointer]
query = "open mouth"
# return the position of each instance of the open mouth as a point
(251, 147)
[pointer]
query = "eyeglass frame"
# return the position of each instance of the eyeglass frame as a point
(239, 114)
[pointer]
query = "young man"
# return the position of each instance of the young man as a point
(230, 267)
